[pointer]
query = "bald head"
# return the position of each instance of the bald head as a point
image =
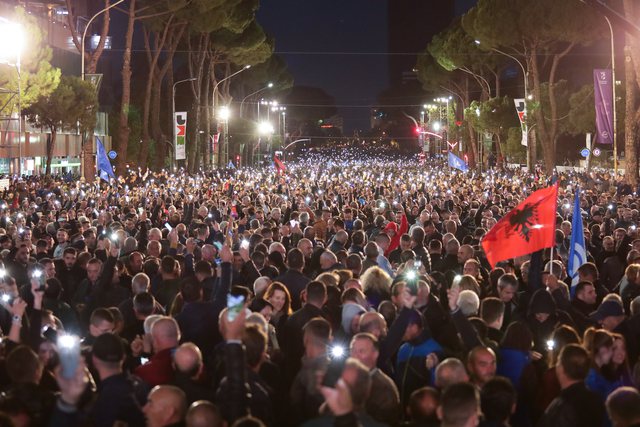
(165, 334)
(327, 260)
(188, 360)
(373, 323)
(166, 405)
(450, 371)
(204, 414)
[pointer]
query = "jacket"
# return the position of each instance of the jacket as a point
(576, 406)
(411, 371)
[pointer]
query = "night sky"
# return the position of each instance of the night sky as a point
(317, 26)
(309, 33)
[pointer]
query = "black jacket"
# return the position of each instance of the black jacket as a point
(576, 406)
(291, 337)
(116, 401)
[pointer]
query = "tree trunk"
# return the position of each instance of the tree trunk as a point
(156, 128)
(51, 143)
(124, 131)
(207, 117)
(548, 152)
(159, 42)
(196, 87)
(632, 84)
(631, 113)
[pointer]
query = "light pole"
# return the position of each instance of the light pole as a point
(11, 40)
(224, 115)
(225, 151)
(269, 86)
(84, 34)
(173, 113)
(266, 129)
(525, 79)
(613, 87)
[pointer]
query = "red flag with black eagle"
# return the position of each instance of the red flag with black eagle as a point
(527, 228)
(279, 165)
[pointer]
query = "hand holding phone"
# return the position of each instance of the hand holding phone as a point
(69, 354)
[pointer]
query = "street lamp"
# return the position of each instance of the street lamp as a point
(527, 96)
(265, 129)
(11, 44)
(613, 87)
(84, 34)
(269, 86)
(173, 113)
(223, 114)
(225, 153)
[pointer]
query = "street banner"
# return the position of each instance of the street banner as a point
(603, 91)
(180, 131)
(521, 109)
(527, 228)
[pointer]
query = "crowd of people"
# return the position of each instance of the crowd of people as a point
(346, 290)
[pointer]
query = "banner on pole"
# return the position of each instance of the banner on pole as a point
(603, 91)
(521, 109)
(180, 125)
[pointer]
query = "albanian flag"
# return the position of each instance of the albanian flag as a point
(279, 165)
(529, 227)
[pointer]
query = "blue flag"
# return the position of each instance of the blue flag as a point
(457, 162)
(577, 249)
(102, 162)
(231, 165)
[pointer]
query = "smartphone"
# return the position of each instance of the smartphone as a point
(41, 278)
(69, 354)
(6, 299)
(144, 360)
(337, 361)
(244, 244)
(140, 211)
(293, 223)
(168, 226)
(234, 305)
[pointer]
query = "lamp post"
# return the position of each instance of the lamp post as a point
(525, 79)
(11, 40)
(269, 86)
(224, 115)
(84, 34)
(266, 129)
(173, 113)
(225, 151)
(613, 87)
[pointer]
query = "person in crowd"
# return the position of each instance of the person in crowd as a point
(576, 404)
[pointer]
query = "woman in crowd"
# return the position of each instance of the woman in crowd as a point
(278, 296)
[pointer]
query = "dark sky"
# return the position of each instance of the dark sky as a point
(316, 26)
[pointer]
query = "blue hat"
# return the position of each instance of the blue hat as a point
(607, 309)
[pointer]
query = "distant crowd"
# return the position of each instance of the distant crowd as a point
(345, 290)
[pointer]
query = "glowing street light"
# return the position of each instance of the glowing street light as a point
(224, 113)
(436, 126)
(265, 128)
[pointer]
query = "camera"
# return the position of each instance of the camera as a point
(338, 356)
